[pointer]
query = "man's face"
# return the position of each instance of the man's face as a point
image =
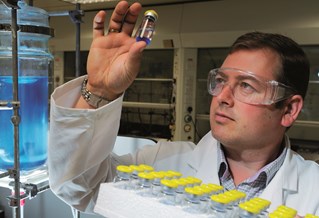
(240, 125)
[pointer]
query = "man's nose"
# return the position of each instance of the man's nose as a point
(226, 95)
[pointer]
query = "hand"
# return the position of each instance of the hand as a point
(114, 59)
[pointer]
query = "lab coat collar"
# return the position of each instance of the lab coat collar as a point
(285, 182)
(204, 159)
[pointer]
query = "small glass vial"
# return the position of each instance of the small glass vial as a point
(237, 197)
(205, 198)
(144, 184)
(263, 204)
(147, 28)
(134, 176)
(168, 191)
(123, 177)
(156, 183)
(220, 206)
(193, 197)
(180, 190)
(248, 210)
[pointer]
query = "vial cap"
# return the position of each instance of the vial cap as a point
(249, 207)
(169, 175)
(194, 190)
(194, 180)
(175, 173)
(263, 202)
(169, 183)
(220, 199)
(185, 181)
(282, 214)
(146, 167)
(274, 215)
(158, 175)
(205, 189)
(216, 187)
(124, 169)
(287, 210)
(239, 194)
(145, 175)
(151, 13)
(136, 168)
(308, 215)
(181, 181)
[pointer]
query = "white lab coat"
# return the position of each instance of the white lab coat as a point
(80, 157)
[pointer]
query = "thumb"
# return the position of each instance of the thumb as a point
(135, 57)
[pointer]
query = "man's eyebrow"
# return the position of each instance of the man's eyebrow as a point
(249, 77)
(240, 76)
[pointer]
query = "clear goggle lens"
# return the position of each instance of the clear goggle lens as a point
(247, 87)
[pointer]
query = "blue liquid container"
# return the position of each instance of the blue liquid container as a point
(146, 30)
(35, 65)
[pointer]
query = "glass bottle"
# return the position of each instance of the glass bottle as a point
(123, 177)
(35, 65)
(193, 197)
(248, 210)
(180, 190)
(147, 28)
(263, 204)
(145, 183)
(220, 206)
(168, 191)
(237, 197)
(156, 183)
(134, 176)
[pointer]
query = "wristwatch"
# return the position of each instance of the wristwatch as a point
(92, 99)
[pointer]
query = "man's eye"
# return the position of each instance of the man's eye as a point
(219, 80)
(248, 88)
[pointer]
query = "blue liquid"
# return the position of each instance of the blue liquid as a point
(145, 34)
(33, 127)
(147, 40)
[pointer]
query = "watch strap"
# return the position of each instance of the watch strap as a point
(92, 99)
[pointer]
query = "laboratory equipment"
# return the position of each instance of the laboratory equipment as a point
(34, 66)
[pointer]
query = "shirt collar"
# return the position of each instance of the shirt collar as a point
(269, 170)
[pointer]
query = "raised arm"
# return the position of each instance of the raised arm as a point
(114, 57)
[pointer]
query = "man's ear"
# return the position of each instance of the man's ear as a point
(292, 109)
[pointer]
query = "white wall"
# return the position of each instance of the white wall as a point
(210, 24)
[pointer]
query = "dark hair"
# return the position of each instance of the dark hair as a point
(294, 70)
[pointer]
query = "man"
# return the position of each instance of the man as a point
(257, 93)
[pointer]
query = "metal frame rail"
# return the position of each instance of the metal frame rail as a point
(15, 119)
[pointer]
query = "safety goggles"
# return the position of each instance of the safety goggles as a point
(247, 87)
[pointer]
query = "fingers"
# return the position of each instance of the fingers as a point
(124, 17)
(131, 18)
(98, 24)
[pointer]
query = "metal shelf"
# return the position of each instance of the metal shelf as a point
(147, 105)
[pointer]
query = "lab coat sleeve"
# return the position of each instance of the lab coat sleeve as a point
(80, 145)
